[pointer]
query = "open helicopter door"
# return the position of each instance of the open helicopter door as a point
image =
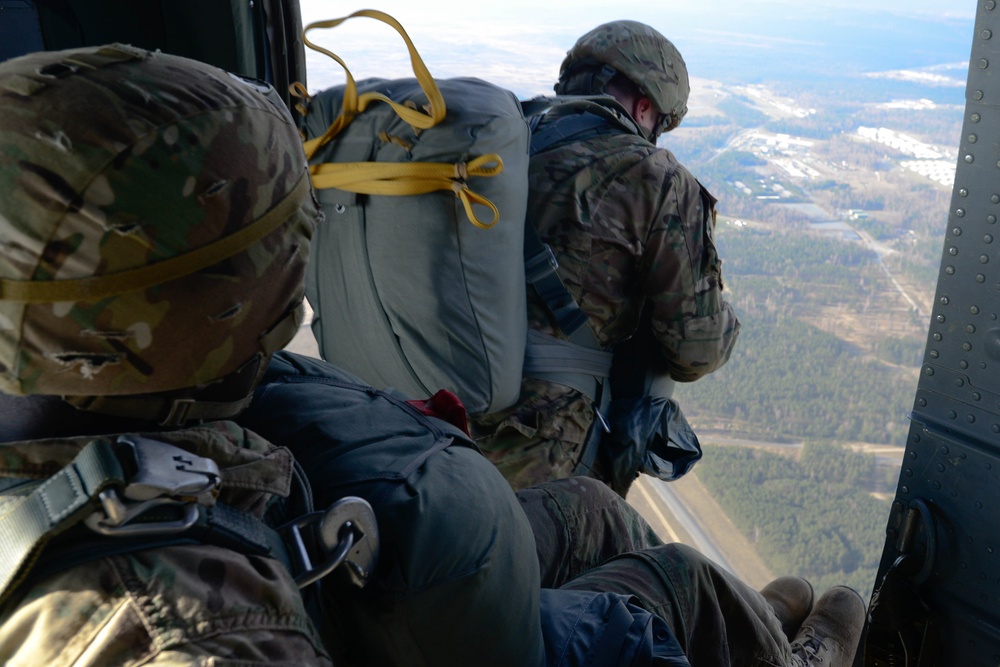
(937, 595)
(261, 39)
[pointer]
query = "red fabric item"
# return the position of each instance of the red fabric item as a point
(444, 405)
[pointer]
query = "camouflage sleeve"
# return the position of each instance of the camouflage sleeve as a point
(681, 275)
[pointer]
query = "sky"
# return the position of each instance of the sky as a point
(519, 44)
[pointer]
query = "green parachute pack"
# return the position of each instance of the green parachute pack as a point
(418, 282)
(419, 273)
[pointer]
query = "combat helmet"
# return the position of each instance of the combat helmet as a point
(636, 51)
(155, 218)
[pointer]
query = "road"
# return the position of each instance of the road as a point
(659, 493)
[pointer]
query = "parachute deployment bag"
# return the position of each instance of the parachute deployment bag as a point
(417, 274)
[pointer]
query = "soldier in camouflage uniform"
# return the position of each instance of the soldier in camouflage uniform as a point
(631, 229)
(155, 218)
(151, 260)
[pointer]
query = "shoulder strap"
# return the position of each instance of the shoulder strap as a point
(580, 362)
(540, 271)
(52, 507)
(97, 506)
(604, 106)
(574, 118)
(568, 128)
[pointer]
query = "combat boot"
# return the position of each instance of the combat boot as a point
(791, 598)
(830, 635)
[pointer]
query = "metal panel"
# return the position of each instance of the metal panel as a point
(937, 598)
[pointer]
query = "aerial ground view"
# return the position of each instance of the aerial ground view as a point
(830, 138)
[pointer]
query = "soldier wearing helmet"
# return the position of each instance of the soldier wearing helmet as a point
(155, 222)
(155, 219)
(151, 261)
(632, 232)
(624, 55)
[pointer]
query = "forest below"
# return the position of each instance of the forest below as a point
(788, 379)
(831, 266)
(811, 515)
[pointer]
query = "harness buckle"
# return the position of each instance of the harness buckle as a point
(540, 264)
(348, 534)
(162, 475)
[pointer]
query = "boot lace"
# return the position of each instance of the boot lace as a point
(809, 648)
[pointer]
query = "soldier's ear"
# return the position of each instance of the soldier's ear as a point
(644, 113)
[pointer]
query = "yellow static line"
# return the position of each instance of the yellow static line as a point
(674, 537)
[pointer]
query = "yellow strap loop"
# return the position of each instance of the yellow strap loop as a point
(297, 90)
(412, 178)
(132, 280)
(352, 104)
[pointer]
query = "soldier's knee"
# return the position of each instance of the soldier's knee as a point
(578, 494)
(462, 538)
(686, 569)
(681, 556)
(682, 552)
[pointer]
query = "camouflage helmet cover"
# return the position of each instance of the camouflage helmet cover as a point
(155, 218)
(643, 55)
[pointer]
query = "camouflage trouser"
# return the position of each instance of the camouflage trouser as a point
(579, 523)
(589, 539)
(183, 605)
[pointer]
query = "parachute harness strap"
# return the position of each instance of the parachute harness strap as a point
(397, 179)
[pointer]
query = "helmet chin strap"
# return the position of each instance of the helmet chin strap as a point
(222, 399)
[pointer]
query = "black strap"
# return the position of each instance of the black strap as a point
(42, 532)
(566, 107)
(568, 128)
(540, 270)
(219, 525)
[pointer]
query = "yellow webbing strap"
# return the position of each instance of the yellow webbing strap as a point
(373, 178)
(353, 104)
(412, 178)
(113, 284)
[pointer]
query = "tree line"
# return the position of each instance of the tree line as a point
(787, 379)
(813, 516)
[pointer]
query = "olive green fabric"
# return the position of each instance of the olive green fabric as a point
(457, 583)
(408, 293)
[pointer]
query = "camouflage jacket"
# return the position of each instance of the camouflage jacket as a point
(631, 229)
(181, 604)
